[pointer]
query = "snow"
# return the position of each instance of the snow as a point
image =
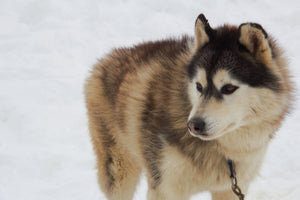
(46, 50)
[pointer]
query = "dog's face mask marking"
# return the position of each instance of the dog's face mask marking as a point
(219, 106)
(229, 73)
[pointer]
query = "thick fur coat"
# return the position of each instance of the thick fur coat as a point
(140, 99)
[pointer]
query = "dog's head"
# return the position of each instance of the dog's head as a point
(234, 79)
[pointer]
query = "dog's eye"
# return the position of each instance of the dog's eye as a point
(199, 87)
(228, 89)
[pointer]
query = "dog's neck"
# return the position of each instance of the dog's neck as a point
(250, 141)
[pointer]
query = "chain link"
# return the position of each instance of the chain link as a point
(236, 189)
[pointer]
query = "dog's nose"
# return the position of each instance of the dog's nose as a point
(196, 126)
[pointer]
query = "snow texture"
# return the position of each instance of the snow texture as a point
(46, 51)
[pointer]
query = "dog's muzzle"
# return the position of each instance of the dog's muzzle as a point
(197, 126)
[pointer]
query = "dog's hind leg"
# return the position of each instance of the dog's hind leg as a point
(118, 173)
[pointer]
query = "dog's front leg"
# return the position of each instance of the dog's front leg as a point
(224, 195)
(165, 189)
(227, 194)
(166, 194)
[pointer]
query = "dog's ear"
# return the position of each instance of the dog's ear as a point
(255, 39)
(203, 32)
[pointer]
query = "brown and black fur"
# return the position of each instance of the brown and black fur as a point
(138, 107)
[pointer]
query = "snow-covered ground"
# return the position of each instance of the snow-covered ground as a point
(46, 50)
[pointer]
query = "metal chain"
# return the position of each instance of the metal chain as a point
(234, 186)
(236, 189)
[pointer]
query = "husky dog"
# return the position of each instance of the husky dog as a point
(179, 109)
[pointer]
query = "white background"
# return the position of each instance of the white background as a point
(48, 47)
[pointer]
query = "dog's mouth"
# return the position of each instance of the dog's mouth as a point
(206, 136)
(212, 136)
(203, 135)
